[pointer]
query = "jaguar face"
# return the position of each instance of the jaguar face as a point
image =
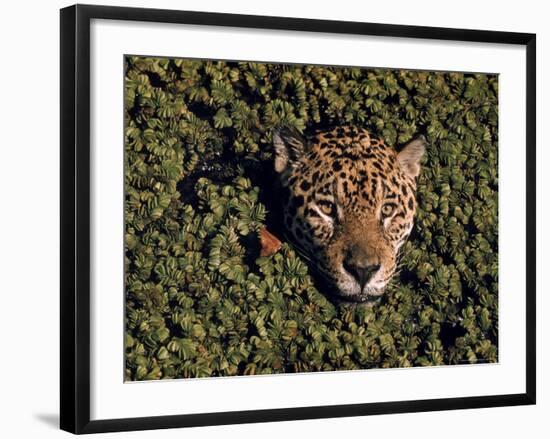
(349, 204)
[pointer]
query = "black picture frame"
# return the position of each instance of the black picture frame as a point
(75, 217)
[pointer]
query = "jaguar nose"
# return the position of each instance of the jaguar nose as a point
(363, 272)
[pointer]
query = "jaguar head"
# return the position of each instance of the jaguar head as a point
(349, 204)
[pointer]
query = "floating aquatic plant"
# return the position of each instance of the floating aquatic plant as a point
(201, 301)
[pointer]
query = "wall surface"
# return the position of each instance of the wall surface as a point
(29, 182)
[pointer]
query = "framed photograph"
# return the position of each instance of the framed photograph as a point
(268, 218)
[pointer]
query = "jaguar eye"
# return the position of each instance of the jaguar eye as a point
(388, 210)
(327, 208)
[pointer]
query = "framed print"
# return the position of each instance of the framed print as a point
(268, 218)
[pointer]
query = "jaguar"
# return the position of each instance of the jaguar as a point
(349, 202)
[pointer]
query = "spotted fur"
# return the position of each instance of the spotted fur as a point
(349, 203)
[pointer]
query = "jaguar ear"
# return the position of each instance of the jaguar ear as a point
(289, 146)
(411, 154)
